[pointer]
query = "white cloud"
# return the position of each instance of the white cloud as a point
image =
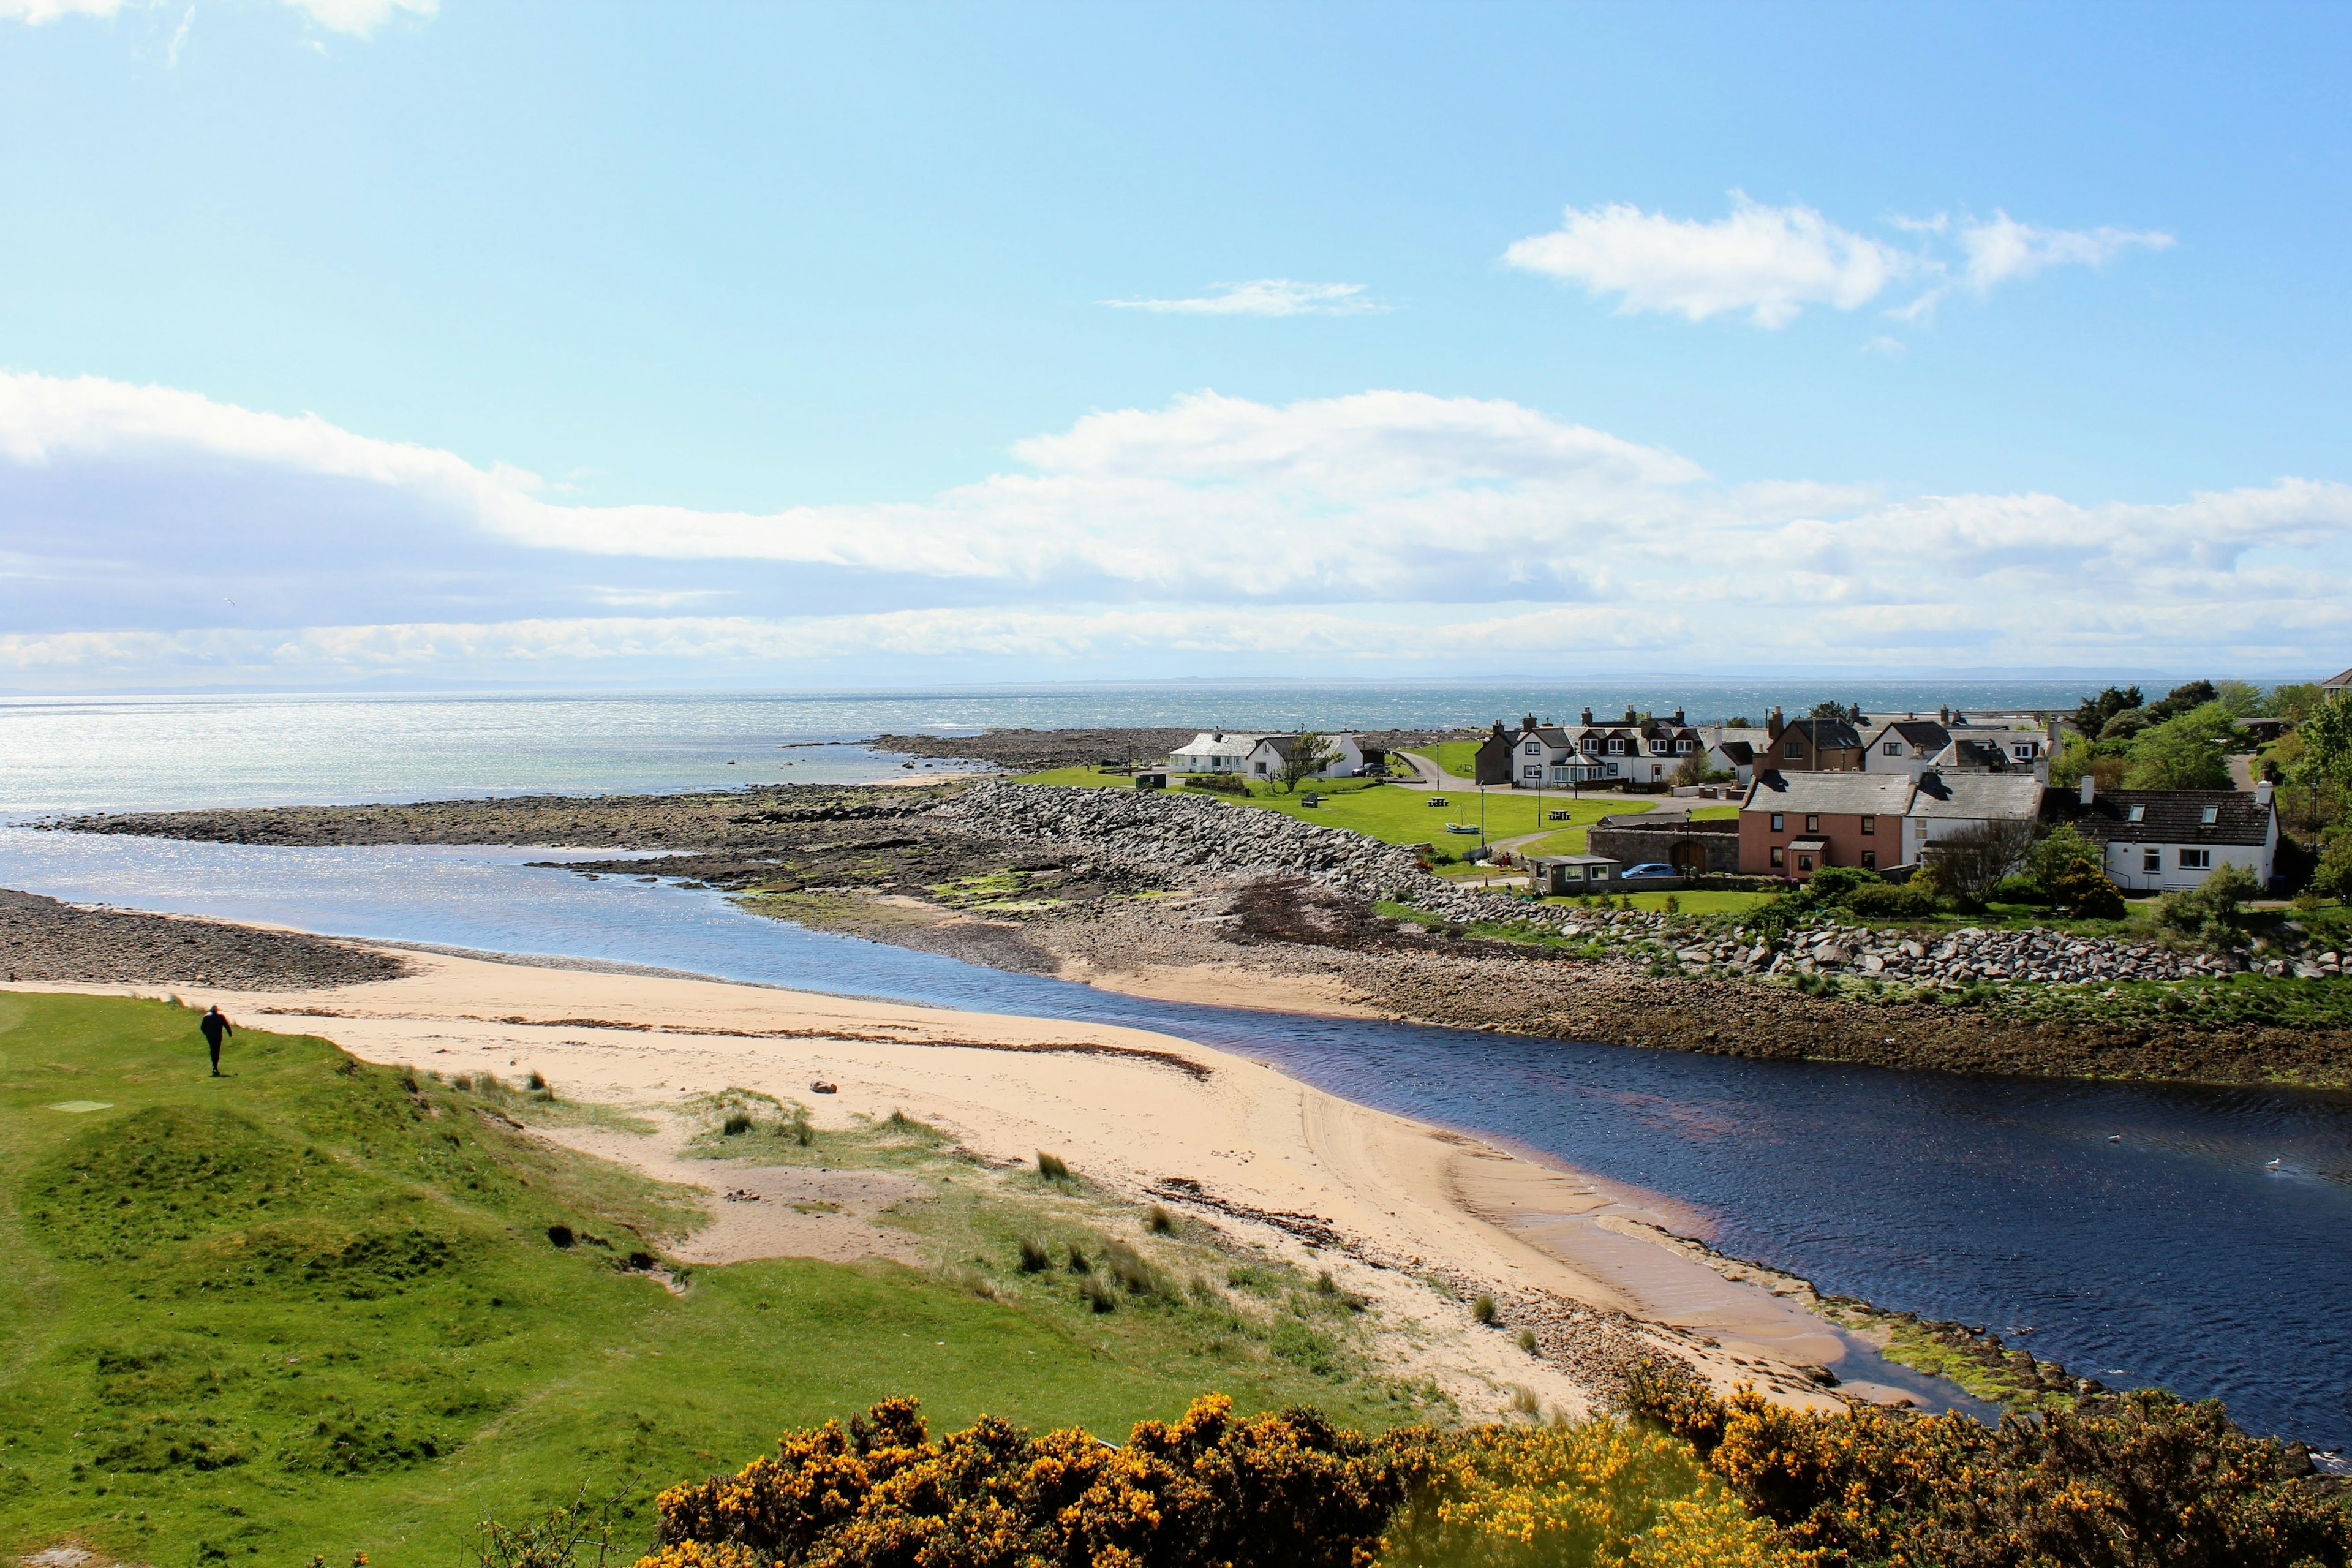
(1384, 525)
(2000, 248)
(358, 19)
(1771, 261)
(1266, 297)
(1768, 261)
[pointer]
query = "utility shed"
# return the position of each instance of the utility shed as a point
(1557, 875)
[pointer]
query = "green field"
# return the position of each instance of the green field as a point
(1396, 814)
(314, 1306)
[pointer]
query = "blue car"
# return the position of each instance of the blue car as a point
(1649, 872)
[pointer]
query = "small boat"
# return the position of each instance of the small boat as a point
(1460, 827)
(2114, 1137)
(2271, 1166)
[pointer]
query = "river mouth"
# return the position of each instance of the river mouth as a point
(2130, 1232)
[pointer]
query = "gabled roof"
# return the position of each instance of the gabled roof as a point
(1924, 736)
(1972, 756)
(1827, 735)
(2167, 816)
(1739, 753)
(1977, 797)
(1857, 794)
(2337, 682)
(1220, 744)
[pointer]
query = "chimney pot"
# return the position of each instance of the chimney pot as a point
(2090, 789)
(1588, 715)
(2262, 793)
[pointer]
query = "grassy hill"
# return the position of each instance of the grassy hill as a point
(315, 1307)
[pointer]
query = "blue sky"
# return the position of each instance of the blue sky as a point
(364, 340)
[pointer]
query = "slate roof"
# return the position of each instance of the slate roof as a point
(1827, 735)
(1857, 794)
(1973, 756)
(2337, 682)
(1739, 753)
(1977, 797)
(2167, 816)
(1924, 736)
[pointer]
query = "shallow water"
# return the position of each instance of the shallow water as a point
(2130, 1232)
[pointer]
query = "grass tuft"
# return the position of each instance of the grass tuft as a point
(1051, 1167)
(1484, 1310)
(1035, 1258)
(1527, 1341)
(1159, 1221)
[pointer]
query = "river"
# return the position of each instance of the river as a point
(2131, 1232)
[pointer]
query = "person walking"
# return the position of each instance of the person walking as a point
(216, 1028)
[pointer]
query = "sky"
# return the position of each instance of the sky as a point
(402, 344)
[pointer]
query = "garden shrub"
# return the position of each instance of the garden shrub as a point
(1883, 900)
(2208, 911)
(2081, 889)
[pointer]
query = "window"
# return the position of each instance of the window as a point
(1813, 823)
(1533, 770)
(2151, 861)
(1535, 748)
(1780, 823)
(2022, 753)
(2210, 816)
(1892, 749)
(1870, 825)
(2197, 859)
(1616, 745)
(1795, 748)
(2138, 814)
(1682, 748)
(1870, 859)
(1804, 862)
(1780, 856)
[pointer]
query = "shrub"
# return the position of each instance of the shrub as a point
(2142, 1478)
(1834, 884)
(1159, 1221)
(1051, 1167)
(2081, 889)
(738, 1122)
(1035, 1258)
(538, 1082)
(1885, 900)
(561, 1234)
(1527, 1341)
(2210, 909)
(2019, 891)
(1484, 1310)
(1210, 1489)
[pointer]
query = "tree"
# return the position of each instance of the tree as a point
(1694, 769)
(2326, 738)
(2185, 751)
(1972, 861)
(2181, 698)
(2080, 889)
(1309, 755)
(2092, 715)
(1830, 708)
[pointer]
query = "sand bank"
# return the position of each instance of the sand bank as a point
(1416, 1217)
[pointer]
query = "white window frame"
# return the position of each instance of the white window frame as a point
(2196, 860)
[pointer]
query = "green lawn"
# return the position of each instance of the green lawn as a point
(314, 1308)
(1396, 814)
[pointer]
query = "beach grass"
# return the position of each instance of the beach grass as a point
(318, 1307)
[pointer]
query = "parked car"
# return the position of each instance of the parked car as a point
(1649, 872)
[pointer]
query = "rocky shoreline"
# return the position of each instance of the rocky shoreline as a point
(1114, 885)
(45, 942)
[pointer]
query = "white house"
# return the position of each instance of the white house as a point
(1266, 758)
(1945, 804)
(1906, 746)
(2161, 839)
(1214, 752)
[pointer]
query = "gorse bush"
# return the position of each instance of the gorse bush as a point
(2133, 1482)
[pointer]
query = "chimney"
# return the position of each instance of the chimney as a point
(1944, 714)
(2090, 789)
(1628, 712)
(1527, 725)
(2262, 793)
(1772, 725)
(1588, 717)
(1679, 719)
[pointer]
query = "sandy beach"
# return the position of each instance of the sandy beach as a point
(1416, 1218)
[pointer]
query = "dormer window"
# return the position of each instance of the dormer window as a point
(1682, 748)
(1616, 746)
(2210, 816)
(2138, 814)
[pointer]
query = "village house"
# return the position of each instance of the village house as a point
(1636, 749)
(1737, 758)
(1793, 823)
(1349, 758)
(1906, 746)
(1943, 803)
(2157, 840)
(1214, 752)
(1811, 745)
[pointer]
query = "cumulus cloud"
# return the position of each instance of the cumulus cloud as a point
(1771, 262)
(1768, 261)
(1375, 529)
(358, 19)
(1266, 297)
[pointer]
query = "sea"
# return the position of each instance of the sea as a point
(2136, 1233)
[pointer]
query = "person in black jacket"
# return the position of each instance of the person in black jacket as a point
(216, 1028)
